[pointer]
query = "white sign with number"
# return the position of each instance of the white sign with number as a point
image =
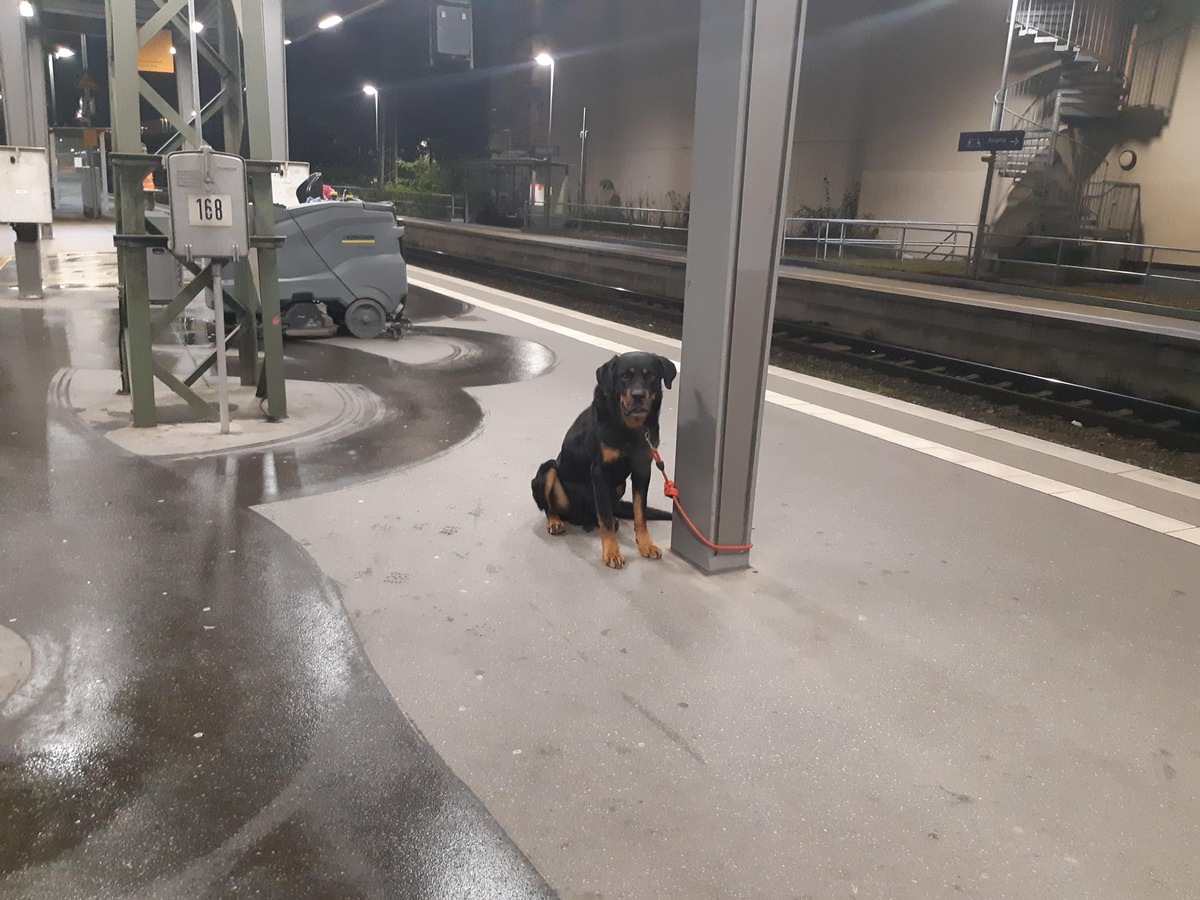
(207, 193)
(211, 210)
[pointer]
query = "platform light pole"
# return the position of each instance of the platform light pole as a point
(371, 91)
(59, 53)
(545, 59)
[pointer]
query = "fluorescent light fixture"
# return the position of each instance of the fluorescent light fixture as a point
(370, 90)
(26, 9)
(197, 26)
(63, 53)
(330, 21)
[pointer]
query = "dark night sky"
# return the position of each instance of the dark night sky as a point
(332, 122)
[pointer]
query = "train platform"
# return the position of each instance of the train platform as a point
(350, 661)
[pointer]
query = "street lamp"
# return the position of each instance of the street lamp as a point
(545, 59)
(373, 92)
(59, 53)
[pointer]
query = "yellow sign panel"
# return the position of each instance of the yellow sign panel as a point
(155, 55)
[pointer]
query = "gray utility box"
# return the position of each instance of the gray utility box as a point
(164, 273)
(208, 205)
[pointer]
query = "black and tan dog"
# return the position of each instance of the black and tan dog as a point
(606, 445)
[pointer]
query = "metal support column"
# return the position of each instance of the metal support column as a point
(23, 74)
(124, 96)
(133, 295)
(263, 226)
(233, 113)
(747, 70)
(266, 106)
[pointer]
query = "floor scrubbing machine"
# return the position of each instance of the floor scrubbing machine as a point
(341, 265)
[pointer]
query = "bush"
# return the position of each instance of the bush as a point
(847, 209)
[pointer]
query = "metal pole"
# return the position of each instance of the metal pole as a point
(997, 120)
(222, 364)
(88, 111)
(378, 147)
(583, 136)
(193, 38)
(977, 262)
(550, 116)
(53, 93)
(746, 87)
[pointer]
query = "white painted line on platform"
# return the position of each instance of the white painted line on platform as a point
(1109, 506)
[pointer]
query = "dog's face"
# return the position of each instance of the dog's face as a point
(634, 382)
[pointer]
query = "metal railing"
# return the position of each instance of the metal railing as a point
(1117, 207)
(1099, 261)
(641, 222)
(1154, 70)
(1157, 273)
(1099, 28)
(445, 207)
(879, 238)
(1087, 170)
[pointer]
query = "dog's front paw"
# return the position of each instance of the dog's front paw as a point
(649, 549)
(613, 559)
(556, 526)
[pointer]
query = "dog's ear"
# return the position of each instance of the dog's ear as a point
(666, 370)
(606, 376)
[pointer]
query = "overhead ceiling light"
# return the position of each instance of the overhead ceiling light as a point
(197, 26)
(544, 59)
(370, 90)
(63, 53)
(287, 42)
(330, 21)
(26, 9)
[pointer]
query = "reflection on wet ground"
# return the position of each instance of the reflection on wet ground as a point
(70, 270)
(201, 721)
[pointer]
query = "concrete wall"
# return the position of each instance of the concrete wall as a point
(885, 88)
(935, 66)
(1166, 165)
(633, 65)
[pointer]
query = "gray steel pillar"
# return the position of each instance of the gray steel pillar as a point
(263, 53)
(28, 259)
(23, 72)
(746, 79)
(185, 88)
(124, 94)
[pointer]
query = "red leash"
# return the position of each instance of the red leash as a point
(671, 491)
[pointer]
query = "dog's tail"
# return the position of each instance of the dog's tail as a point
(623, 509)
(539, 484)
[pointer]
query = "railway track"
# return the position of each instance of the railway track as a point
(1172, 427)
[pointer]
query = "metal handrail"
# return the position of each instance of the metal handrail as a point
(945, 243)
(1098, 27)
(1164, 56)
(838, 234)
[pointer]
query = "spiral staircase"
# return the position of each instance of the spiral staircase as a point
(1081, 89)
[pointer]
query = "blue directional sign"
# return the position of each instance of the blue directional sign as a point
(991, 140)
